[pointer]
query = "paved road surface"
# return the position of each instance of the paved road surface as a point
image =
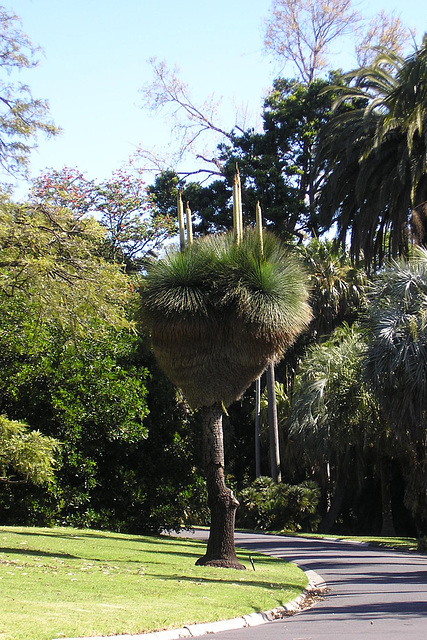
(374, 594)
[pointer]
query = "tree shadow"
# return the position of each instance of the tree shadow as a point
(38, 553)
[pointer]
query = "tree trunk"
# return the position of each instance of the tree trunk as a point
(416, 488)
(273, 426)
(387, 527)
(337, 500)
(258, 428)
(222, 504)
(419, 213)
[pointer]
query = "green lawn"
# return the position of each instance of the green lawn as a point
(64, 582)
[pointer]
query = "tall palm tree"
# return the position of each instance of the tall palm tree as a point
(219, 312)
(397, 368)
(372, 155)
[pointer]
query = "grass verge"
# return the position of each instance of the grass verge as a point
(397, 544)
(64, 582)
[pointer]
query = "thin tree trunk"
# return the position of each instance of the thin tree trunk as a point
(273, 426)
(337, 500)
(258, 427)
(417, 483)
(419, 213)
(222, 504)
(387, 527)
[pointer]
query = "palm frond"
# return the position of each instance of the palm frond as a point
(374, 146)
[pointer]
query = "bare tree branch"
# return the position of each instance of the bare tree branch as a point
(385, 30)
(195, 127)
(300, 31)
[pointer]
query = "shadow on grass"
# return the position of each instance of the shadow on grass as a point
(37, 553)
(146, 545)
(246, 583)
(77, 534)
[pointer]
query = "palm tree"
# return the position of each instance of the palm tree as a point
(337, 285)
(397, 368)
(219, 312)
(372, 155)
(333, 413)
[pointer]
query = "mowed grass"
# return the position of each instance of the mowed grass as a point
(62, 582)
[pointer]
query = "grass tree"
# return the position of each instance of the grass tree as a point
(219, 310)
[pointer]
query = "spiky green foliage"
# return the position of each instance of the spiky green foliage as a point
(332, 408)
(219, 312)
(397, 355)
(267, 291)
(397, 369)
(338, 286)
(178, 285)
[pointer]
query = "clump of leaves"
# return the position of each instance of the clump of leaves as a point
(26, 455)
(280, 507)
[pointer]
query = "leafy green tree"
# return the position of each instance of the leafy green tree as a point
(294, 114)
(51, 259)
(275, 167)
(22, 117)
(372, 157)
(55, 290)
(135, 227)
(128, 456)
(81, 388)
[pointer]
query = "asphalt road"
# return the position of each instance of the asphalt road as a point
(373, 594)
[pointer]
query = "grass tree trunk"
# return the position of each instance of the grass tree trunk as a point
(222, 504)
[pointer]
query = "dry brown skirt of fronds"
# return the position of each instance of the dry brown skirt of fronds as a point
(215, 361)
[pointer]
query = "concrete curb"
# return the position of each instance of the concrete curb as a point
(316, 585)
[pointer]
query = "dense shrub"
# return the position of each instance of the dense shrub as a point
(279, 507)
(127, 459)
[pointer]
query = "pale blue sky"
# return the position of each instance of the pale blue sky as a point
(95, 61)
